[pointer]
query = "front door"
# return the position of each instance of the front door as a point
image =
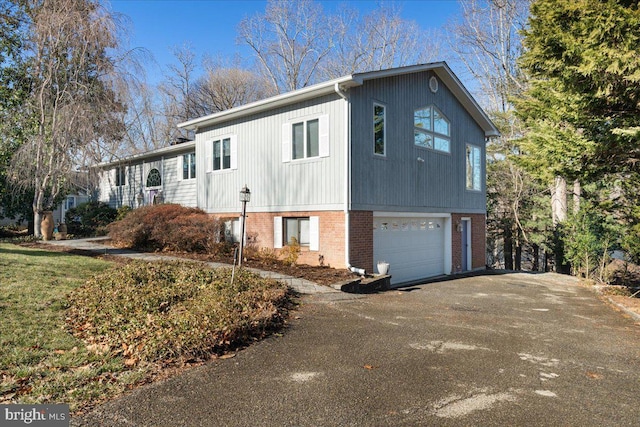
(466, 244)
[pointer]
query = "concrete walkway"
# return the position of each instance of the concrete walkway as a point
(99, 245)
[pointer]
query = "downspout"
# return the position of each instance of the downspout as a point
(347, 189)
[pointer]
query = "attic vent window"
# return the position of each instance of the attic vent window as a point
(433, 84)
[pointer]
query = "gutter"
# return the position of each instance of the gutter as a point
(347, 189)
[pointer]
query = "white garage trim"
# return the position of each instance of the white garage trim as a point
(417, 245)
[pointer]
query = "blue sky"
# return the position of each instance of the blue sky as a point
(209, 26)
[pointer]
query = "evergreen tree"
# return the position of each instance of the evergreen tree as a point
(14, 90)
(582, 106)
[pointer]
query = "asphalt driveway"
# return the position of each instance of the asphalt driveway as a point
(514, 349)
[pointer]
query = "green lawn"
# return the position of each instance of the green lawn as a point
(40, 362)
(136, 320)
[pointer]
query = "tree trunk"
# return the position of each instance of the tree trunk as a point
(546, 262)
(508, 248)
(36, 223)
(536, 255)
(559, 200)
(518, 257)
(577, 192)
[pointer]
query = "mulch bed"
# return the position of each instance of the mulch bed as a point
(321, 275)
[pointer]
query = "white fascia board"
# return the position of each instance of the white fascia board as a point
(185, 146)
(467, 100)
(441, 69)
(299, 95)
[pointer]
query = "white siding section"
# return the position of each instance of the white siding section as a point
(277, 183)
(174, 188)
(324, 140)
(286, 142)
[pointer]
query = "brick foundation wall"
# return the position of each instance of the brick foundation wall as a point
(331, 242)
(478, 241)
(361, 239)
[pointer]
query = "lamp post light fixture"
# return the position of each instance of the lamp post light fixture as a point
(245, 197)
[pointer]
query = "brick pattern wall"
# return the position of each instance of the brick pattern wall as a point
(331, 244)
(361, 239)
(478, 241)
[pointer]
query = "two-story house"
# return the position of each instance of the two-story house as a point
(378, 166)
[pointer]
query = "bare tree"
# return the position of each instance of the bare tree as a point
(73, 101)
(145, 126)
(486, 39)
(290, 41)
(222, 88)
(378, 40)
(178, 92)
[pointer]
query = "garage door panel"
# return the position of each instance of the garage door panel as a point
(414, 247)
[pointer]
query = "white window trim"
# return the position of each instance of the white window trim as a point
(233, 141)
(384, 129)
(146, 178)
(125, 173)
(314, 232)
(180, 167)
(433, 132)
(473, 187)
(323, 138)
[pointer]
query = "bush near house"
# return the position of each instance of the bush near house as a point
(168, 227)
(90, 218)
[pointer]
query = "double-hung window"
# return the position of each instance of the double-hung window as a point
(305, 230)
(222, 154)
(305, 139)
(188, 170)
(120, 176)
(298, 229)
(474, 168)
(431, 129)
(379, 130)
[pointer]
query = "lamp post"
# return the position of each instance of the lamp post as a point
(245, 197)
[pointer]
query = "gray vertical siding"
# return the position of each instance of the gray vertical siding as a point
(310, 184)
(399, 182)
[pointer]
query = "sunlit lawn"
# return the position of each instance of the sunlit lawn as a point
(40, 362)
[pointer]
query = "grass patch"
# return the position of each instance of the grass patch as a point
(80, 330)
(40, 362)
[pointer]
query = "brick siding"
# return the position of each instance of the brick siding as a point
(361, 239)
(331, 243)
(478, 241)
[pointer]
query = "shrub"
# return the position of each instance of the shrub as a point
(122, 212)
(87, 219)
(291, 252)
(167, 311)
(167, 227)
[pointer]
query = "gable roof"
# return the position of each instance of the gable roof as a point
(441, 69)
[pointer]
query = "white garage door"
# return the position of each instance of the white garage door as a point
(414, 247)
